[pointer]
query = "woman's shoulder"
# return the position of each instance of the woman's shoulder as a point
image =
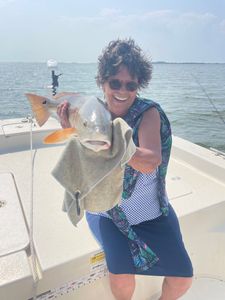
(147, 100)
(149, 103)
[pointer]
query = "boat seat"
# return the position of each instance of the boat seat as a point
(13, 231)
(177, 187)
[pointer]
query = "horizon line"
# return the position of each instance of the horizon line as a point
(153, 62)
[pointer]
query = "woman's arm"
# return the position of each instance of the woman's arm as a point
(148, 155)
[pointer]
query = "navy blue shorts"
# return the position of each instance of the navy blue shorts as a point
(162, 235)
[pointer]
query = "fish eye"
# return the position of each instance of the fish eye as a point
(85, 123)
(44, 102)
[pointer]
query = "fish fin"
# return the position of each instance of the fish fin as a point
(62, 94)
(60, 136)
(40, 111)
(104, 103)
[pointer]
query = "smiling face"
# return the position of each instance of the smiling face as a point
(120, 100)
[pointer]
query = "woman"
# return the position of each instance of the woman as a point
(150, 221)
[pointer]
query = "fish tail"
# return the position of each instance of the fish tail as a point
(59, 136)
(38, 107)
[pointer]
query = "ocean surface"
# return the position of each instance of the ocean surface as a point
(192, 95)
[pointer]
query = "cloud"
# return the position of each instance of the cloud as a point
(110, 12)
(4, 3)
(114, 18)
(164, 34)
(222, 26)
(161, 26)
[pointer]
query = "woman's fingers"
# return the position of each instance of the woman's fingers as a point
(63, 113)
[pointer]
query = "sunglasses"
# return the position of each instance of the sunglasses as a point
(116, 84)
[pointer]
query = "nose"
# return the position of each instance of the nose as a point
(123, 90)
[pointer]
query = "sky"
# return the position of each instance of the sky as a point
(78, 30)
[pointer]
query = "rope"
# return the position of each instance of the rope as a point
(31, 229)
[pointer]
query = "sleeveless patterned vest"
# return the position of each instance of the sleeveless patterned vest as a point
(133, 119)
(143, 257)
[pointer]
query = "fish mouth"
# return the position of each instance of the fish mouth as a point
(96, 145)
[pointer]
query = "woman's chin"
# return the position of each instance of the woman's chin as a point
(117, 113)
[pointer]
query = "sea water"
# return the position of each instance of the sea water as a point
(192, 95)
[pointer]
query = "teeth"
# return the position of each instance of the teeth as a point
(120, 98)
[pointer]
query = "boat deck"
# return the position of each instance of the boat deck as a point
(69, 258)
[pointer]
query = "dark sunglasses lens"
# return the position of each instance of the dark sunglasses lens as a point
(115, 84)
(132, 86)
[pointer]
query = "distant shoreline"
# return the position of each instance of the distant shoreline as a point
(92, 63)
(187, 63)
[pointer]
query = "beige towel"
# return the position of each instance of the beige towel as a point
(93, 181)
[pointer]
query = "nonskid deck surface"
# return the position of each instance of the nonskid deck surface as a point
(13, 238)
(203, 288)
(206, 289)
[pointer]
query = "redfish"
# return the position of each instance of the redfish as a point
(88, 115)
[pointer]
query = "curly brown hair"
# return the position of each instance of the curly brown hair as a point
(124, 52)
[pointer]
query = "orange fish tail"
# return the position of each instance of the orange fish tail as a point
(60, 136)
(39, 109)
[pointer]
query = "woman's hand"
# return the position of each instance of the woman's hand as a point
(63, 114)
